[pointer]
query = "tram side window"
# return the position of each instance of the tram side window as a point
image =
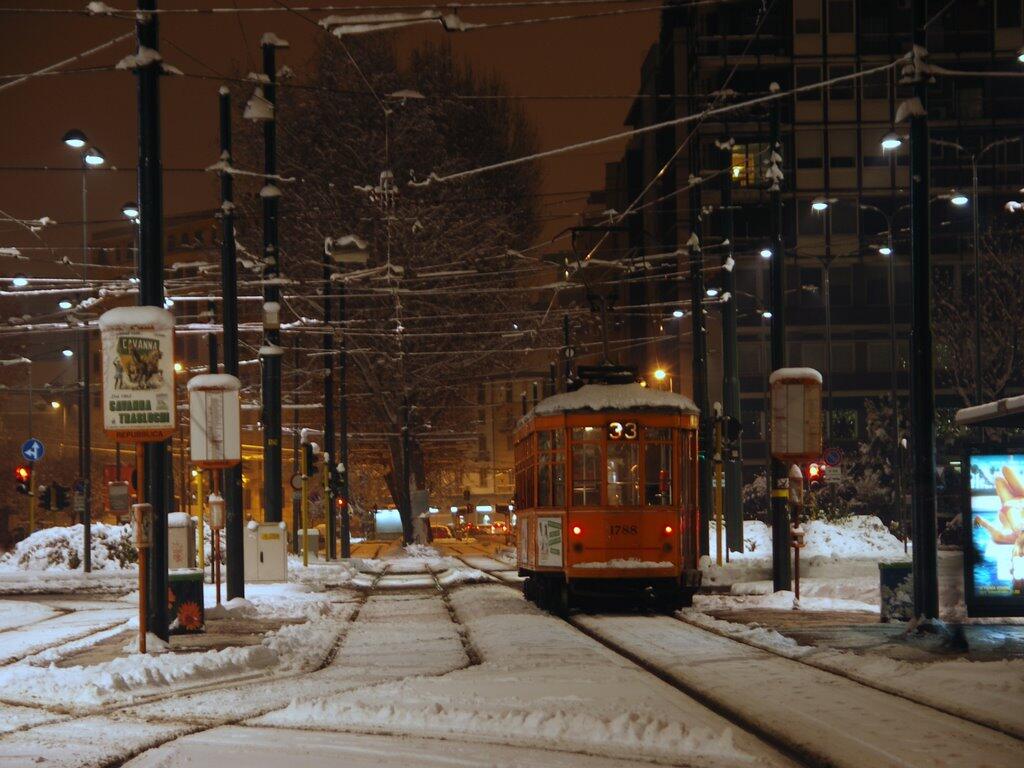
(551, 469)
(658, 467)
(623, 474)
(586, 468)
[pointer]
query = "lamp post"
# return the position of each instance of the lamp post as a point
(91, 157)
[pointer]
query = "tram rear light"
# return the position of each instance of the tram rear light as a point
(668, 529)
(576, 530)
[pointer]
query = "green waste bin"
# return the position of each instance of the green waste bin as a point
(896, 582)
(185, 601)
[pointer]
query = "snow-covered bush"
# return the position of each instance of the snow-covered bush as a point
(61, 549)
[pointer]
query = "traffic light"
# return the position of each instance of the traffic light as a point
(23, 478)
(45, 495)
(814, 475)
(61, 496)
(310, 457)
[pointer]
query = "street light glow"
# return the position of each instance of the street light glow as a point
(74, 139)
(54, 404)
(178, 368)
(891, 141)
(958, 199)
(819, 204)
(19, 281)
(67, 352)
(766, 253)
(660, 374)
(677, 313)
(711, 292)
(767, 315)
(885, 250)
(1020, 55)
(130, 210)
(65, 304)
(94, 156)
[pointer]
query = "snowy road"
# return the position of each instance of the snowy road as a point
(418, 670)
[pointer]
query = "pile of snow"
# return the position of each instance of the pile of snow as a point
(631, 563)
(614, 397)
(61, 549)
(851, 546)
(420, 550)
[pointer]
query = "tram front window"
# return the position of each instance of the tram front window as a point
(586, 474)
(658, 467)
(622, 474)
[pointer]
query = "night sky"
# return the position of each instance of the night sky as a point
(594, 56)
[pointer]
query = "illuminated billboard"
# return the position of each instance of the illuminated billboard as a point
(994, 536)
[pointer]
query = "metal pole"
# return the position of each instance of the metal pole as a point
(229, 317)
(781, 573)
(894, 385)
(84, 367)
(156, 467)
(922, 401)
(404, 491)
(328, 447)
(705, 436)
(827, 291)
(297, 523)
(271, 358)
(342, 465)
(567, 352)
(979, 390)
(730, 372)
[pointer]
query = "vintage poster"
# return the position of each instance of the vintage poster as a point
(549, 541)
(138, 373)
(994, 556)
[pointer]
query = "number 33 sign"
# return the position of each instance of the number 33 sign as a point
(619, 431)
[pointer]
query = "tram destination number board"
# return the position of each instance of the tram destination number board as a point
(618, 430)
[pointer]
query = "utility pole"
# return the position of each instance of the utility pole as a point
(157, 466)
(342, 463)
(705, 437)
(779, 485)
(566, 352)
(85, 401)
(922, 385)
(270, 352)
(297, 469)
(730, 366)
(229, 317)
(328, 446)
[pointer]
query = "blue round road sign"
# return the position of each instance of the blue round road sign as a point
(833, 457)
(32, 449)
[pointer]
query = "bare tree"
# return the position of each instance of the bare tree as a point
(1002, 318)
(436, 310)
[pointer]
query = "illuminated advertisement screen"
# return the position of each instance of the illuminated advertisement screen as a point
(994, 551)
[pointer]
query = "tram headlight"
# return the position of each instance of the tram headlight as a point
(576, 530)
(668, 530)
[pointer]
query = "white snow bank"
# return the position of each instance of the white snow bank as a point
(421, 550)
(613, 397)
(61, 548)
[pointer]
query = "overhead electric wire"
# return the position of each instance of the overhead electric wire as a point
(59, 64)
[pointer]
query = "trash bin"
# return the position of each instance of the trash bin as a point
(896, 583)
(185, 601)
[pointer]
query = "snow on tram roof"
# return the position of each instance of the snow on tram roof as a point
(614, 397)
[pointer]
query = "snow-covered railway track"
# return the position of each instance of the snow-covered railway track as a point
(815, 716)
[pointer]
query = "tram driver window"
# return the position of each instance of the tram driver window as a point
(622, 474)
(658, 467)
(586, 467)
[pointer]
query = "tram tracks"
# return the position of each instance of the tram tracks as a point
(612, 632)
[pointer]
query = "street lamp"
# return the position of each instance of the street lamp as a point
(19, 281)
(766, 253)
(819, 204)
(74, 139)
(65, 304)
(677, 313)
(766, 314)
(891, 141)
(130, 210)
(1020, 55)
(958, 199)
(94, 157)
(711, 292)
(660, 374)
(67, 352)
(54, 404)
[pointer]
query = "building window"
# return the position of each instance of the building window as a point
(879, 356)
(812, 355)
(844, 357)
(840, 17)
(1008, 14)
(807, 26)
(810, 149)
(806, 75)
(844, 424)
(753, 424)
(747, 160)
(750, 359)
(843, 219)
(840, 286)
(843, 91)
(876, 280)
(876, 86)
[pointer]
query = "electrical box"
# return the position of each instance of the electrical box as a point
(266, 552)
(181, 541)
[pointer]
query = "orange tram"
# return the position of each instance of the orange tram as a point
(606, 498)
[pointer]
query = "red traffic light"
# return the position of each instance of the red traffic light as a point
(23, 473)
(339, 502)
(814, 472)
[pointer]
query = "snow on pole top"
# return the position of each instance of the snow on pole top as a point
(794, 373)
(119, 317)
(215, 381)
(614, 397)
(269, 38)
